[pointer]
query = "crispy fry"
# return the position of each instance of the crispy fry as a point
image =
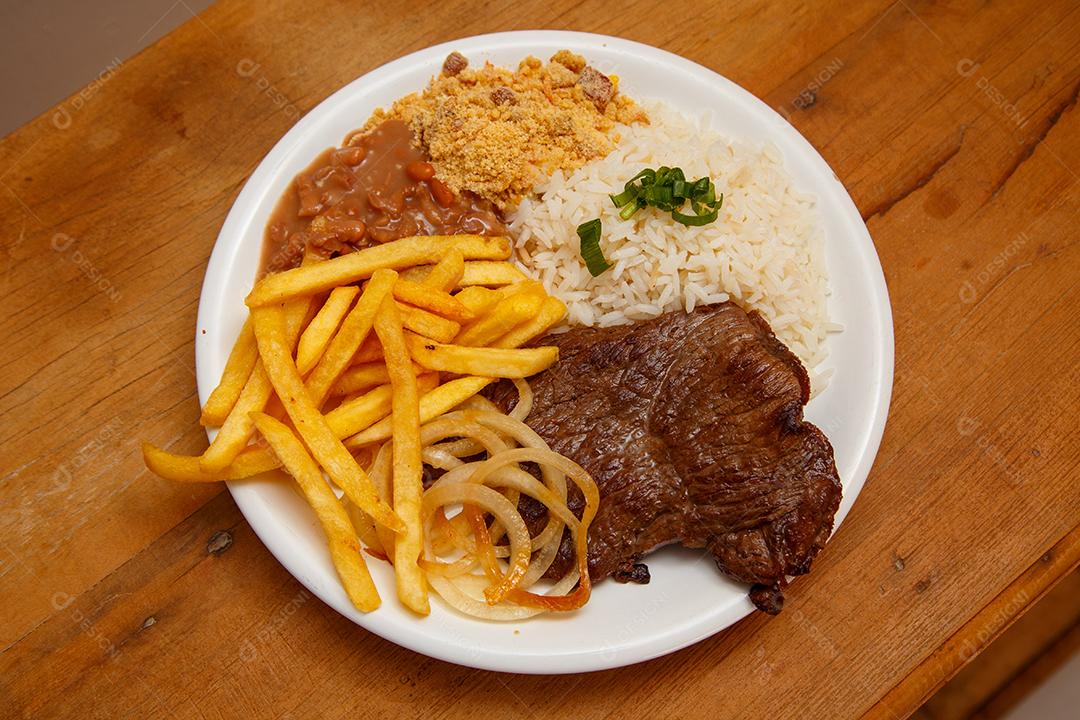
(344, 546)
(432, 299)
(551, 312)
(309, 422)
(235, 432)
(320, 331)
(350, 336)
(418, 274)
(349, 418)
(444, 275)
(238, 426)
(427, 324)
(447, 272)
(363, 411)
(432, 404)
(506, 314)
(360, 378)
(349, 268)
(481, 272)
(525, 286)
(485, 362)
(478, 299)
(369, 352)
(457, 312)
(356, 415)
(185, 468)
(233, 379)
(408, 487)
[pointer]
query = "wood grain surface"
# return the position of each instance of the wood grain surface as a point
(953, 125)
(1008, 670)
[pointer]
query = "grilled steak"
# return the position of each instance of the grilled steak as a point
(691, 424)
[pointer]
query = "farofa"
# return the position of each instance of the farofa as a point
(498, 132)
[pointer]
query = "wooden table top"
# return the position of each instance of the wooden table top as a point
(957, 132)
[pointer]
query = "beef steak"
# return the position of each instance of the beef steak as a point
(691, 425)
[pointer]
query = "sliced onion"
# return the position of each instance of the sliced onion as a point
(525, 401)
(381, 477)
(460, 557)
(494, 503)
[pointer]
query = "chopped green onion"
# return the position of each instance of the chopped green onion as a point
(626, 196)
(698, 219)
(667, 189)
(629, 209)
(663, 188)
(589, 232)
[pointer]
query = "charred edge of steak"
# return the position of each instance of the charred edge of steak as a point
(782, 351)
(768, 599)
(637, 573)
(770, 542)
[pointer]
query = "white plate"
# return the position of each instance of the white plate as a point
(687, 600)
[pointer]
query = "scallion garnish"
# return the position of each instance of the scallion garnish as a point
(589, 232)
(667, 189)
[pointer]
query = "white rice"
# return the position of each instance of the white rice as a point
(766, 250)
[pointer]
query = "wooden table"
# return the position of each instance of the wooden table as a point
(957, 132)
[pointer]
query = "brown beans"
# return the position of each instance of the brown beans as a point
(308, 195)
(390, 193)
(420, 170)
(347, 229)
(391, 202)
(351, 156)
(442, 194)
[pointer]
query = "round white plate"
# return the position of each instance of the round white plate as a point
(688, 599)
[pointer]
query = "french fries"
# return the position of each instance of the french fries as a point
(354, 416)
(551, 313)
(371, 351)
(320, 331)
(237, 371)
(432, 299)
(506, 314)
(337, 368)
(408, 487)
(485, 362)
(345, 269)
(344, 546)
(238, 426)
(185, 468)
(481, 272)
(309, 422)
(478, 299)
(350, 336)
(365, 376)
(440, 400)
(427, 324)
(347, 419)
(447, 272)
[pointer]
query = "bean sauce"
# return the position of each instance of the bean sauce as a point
(377, 188)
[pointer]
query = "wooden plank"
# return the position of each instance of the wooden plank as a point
(981, 630)
(1034, 675)
(1004, 668)
(112, 217)
(117, 212)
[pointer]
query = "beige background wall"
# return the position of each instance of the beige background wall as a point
(50, 49)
